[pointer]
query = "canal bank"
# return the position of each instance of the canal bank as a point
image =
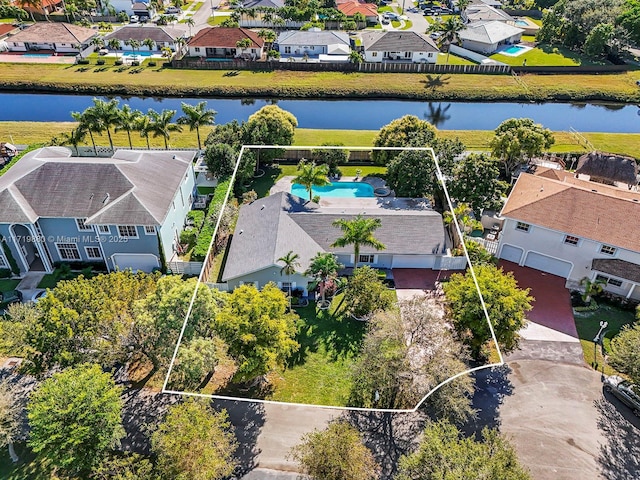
(157, 81)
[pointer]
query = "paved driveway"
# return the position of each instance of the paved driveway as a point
(412, 282)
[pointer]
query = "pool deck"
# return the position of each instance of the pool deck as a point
(361, 204)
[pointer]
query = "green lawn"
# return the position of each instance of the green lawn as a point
(545, 55)
(28, 468)
(588, 324)
(453, 60)
(7, 284)
(217, 19)
(320, 371)
(535, 20)
(407, 25)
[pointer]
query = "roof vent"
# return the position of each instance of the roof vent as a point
(174, 157)
(635, 200)
(542, 188)
(262, 207)
(106, 198)
(594, 190)
(240, 233)
(91, 197)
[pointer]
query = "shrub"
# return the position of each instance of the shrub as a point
(5, 273)
(151, 63)
(206, 234)
(188, 236)
(118, 62)
(197, 216)
(82, 61)
(100, 61)
(135, 64)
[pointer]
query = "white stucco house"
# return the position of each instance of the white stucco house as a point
(314, 45)
(574, 228)
(270, 227)
(487, 36)
(402, 45)
(59, 38)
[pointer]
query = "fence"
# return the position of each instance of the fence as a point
(451, 263)
(223, 287)
(187, 268)
(581, 69)
(489, 246)
(384, 67)
(473, 56)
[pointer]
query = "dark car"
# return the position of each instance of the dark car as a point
(627, 392)
(11, 296)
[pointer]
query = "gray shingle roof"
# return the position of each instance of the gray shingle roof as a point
(132, 187)
(140, 33)
(402, 41)
(618, 268)
(488, 32)
(271, 226)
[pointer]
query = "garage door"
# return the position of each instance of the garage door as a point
(548, 264)
(138, 261)
(413, 261)
(511, 253)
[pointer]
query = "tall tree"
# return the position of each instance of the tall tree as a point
(105, 114)
(336, 453)
(270, 125)
(311, 175)
(333, 157)
(193, 442)
(408, 131)
(114, 44)
(75, 418)
(444, 453)
(258, 329)
(412, 173)
(196, 116)
(506, 303)
(87, 123)
(450, 30)
(357, 232)
(290, 261)
(475, 182)
(625, 351)
(519, 139)
(143, 126)
(9, 420)
(324, 267)
(243, 44)
(365, 293)
(220, 159)
(128, 121)
(161, 126)
(196, 361)
(149, 43)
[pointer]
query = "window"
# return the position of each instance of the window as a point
(93, 252)
(149, 229)
(615, 282)
(365, 259)
(68, 251)
(197, 49)
(608, 250)
(524, 227)
(430, 54)
(174, 205)
(602, 278)
(571, 240)
(407, 54)
(3, 262)
(81, 226)
(286, 286)
(287, 49)
(129, 231)
(104, 229)
(374, 54)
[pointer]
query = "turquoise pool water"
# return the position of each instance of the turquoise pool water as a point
(137, 54)
(336, 190)
(37, 55)
(522, 23)
(513, 50)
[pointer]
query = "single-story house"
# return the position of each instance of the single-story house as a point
(609, 168)
(143, 9)
(7, 29)
(43, 7)
(221, 42)
(161, 36)
(272, 226)
(381, 46)
(573, 228)
(262, 4)
(368, 10)
(57, 37)
(126, 211)
(314, 45)
(132, 7)
(481, 12)
(487, 37)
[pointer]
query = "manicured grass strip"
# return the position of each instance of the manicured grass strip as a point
(545, 55)
(8, 284)
(156, 81)
(588, 325)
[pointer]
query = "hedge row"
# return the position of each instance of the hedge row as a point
(206, 234)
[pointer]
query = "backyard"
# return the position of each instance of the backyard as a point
(546, 55)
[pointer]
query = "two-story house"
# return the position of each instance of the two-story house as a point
(574, 228)
(126, 211)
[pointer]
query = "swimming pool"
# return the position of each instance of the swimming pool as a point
(37, 55)
(137, 54)
(513, 50)
(336, 190)
(522, 23)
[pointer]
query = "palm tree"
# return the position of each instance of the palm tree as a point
(97, 42)
(114, 44)
(147, 42)
(161, 126)
(462, 5)
(242, 44)
(591, 287)
(197, 116)
(75, 138)
(106, 114)
(180, 43)
(33, 5)
(311, 175)
(70, 9)
(128, 121)
(191, 23)
(290, 261)
(133, 43)
(323, 267)
(269, 36)
(87, 124)
(143, 126)
(358, 231)
(450, 29)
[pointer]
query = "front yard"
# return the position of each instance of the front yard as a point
(588, 324)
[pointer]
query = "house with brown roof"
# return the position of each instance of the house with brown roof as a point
(57, 37)
(609, 168)
(368, 10)
(221, 42)
(573, 228)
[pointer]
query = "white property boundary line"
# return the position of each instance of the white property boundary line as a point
(440, 177)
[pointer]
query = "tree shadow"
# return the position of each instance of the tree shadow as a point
(619, 455)
(232, 73)
(247, 419)
(388, 435)
(263, 184)
(492, 385)
(434, 82)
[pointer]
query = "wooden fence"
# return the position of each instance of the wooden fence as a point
(187, 268)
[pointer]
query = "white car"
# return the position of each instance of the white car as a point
(134, 19)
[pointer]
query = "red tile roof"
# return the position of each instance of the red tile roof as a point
(352, 7)
(222, 37)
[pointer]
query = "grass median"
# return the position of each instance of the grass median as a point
(158, 81)
(25, 133)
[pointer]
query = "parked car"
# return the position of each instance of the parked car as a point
(134, 19)
(385, 21)
(11, 296)
(172, 10)
(144, 19)
(38, 295)
(627, 392)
